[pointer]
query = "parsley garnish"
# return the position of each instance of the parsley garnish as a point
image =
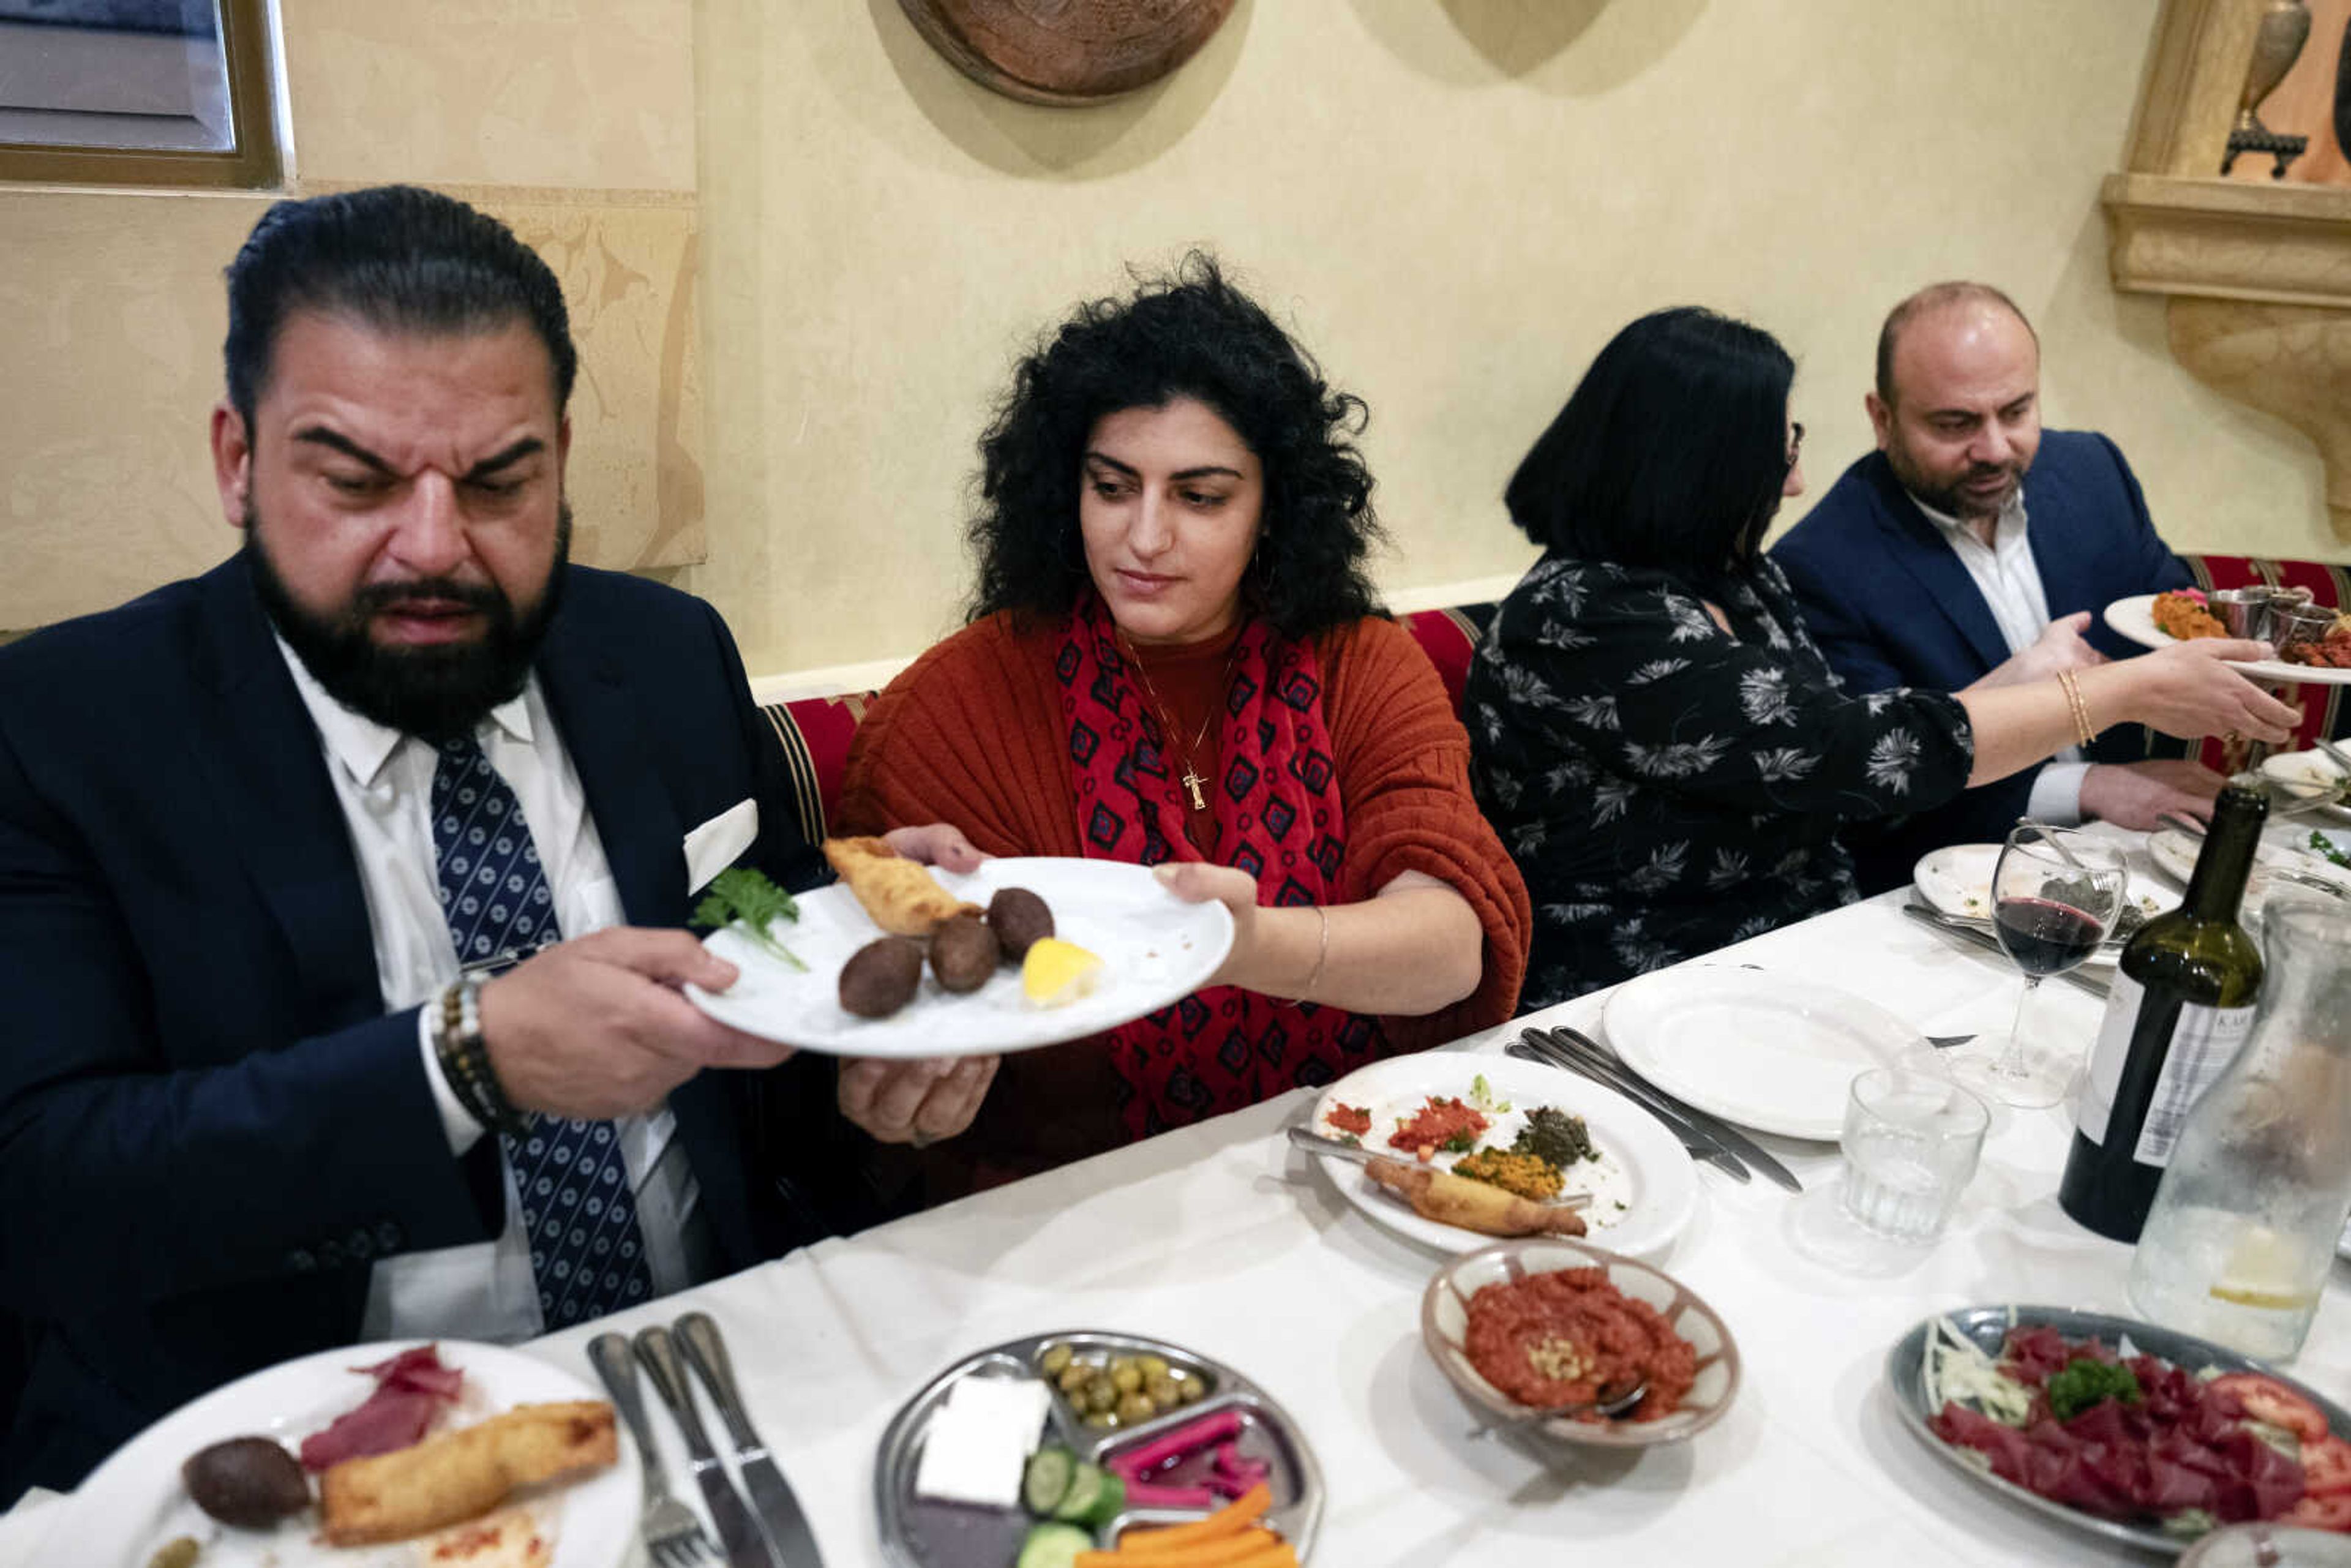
(2084, 1382)
(2325, 846)
(745, 899)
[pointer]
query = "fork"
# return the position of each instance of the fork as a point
(674, 1536)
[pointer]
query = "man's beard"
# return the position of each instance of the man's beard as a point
(1951, 499)
(437, 691)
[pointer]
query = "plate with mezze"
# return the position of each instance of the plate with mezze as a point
(1468, 1106)
(1122, 945)
(136, 1505)
(2135, 618)
(1762, 1050)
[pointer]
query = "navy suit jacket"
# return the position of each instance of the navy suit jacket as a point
(1891, 605)
(209, 1125)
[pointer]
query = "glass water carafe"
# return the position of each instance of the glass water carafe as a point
(2251, 1206)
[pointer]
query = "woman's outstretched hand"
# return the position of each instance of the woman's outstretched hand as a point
(2190, 690)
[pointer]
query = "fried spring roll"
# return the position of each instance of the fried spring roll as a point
(463, 1475)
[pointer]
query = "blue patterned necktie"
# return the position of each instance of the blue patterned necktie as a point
(576, 1206)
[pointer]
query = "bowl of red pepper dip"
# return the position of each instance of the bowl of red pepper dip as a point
(1544, 1321)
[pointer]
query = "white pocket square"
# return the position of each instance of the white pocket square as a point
(713, 846)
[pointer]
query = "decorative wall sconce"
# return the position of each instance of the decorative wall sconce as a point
(1068, 52)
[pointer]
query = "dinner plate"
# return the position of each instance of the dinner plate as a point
(134, 1503)
(2174, 852)
(1155, 950)
(2135, 618)
(1754, 1048)
(1956, 880)
(1988, 1326)
(924, 1533)
(1642, 1164)
(2308, 771)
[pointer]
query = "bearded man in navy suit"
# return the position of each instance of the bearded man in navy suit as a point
(342, 888)
(1974, 546)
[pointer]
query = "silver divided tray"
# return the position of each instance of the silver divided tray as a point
(917, 1532)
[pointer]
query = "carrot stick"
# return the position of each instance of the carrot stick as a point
(1251, 1544)
(1235, 1516)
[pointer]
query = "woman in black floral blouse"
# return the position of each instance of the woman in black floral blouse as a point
(1663, 750)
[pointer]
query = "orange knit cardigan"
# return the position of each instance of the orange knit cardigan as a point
(972, 734)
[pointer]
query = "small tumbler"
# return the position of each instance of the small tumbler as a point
(1911, 1141)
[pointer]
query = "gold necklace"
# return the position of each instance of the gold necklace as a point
(1191, 780)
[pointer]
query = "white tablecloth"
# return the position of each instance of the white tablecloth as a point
(1222, 1238)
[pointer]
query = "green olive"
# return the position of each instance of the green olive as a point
(1136, 1408)
(1073, 1378)
(1101, 1418)
(1102, 1394)
(1126, 1375)
(1055, 1358)
(1193, 1389)
(1164, 1391)
(1152, 1366)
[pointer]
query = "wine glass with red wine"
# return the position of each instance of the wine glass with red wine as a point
(2055, 893)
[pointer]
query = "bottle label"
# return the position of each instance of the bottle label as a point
(2094, 1105)
(2204, 1043)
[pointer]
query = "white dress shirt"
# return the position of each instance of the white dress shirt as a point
(2009, 583)
(384, 780)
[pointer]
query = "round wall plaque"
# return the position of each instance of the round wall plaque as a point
(1066, 51)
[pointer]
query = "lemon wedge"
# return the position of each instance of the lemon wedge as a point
(1057, 973)
(2262, 1271)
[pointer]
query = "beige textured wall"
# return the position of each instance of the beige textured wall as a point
(1454, 202)
(573, 119)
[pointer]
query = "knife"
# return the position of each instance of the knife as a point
(736, 1533)
(1734, 1140)
(779, 1511)
(1989, 942)
(1532, 1047)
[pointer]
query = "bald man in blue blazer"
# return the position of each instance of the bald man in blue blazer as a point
(1973, 546)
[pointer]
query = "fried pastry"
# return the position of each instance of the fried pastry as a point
(462, 1475)
(1450, 1199)
(899, 893)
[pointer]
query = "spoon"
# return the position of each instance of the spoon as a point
(1608, 1404)
(1317, 1144)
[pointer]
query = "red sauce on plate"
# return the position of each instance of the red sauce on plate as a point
(1563, 1338)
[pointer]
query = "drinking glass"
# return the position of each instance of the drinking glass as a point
(1911, 1141)
(2055, 893)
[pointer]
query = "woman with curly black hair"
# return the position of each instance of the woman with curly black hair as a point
(1176, 659)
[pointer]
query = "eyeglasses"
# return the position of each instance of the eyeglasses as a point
(1795, 442)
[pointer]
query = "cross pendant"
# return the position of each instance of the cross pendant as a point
(1192, 781)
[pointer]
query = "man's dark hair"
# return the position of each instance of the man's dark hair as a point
(396, 258)
(1193, 335)
(1934, 297)
(1669, 454)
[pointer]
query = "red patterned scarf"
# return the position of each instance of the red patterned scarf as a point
(1279, 818)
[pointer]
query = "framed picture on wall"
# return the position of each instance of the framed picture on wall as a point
(169, 92)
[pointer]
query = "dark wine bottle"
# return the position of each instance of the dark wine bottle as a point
(2181, 1006)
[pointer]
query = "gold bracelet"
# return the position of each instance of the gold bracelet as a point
(2082, 728)
(1322, 956)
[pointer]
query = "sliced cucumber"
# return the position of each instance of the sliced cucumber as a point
(1053, 1546)
(1095, 1496)
(1046, 1482)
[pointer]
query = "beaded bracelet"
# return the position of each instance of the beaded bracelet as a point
(465, 1059)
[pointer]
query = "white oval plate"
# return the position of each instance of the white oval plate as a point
(1757, 1048)
(1156, 949)
(134, 1503)
(2135, 618)
(1956, 880)
(2174, 853)
(1642, 1164)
